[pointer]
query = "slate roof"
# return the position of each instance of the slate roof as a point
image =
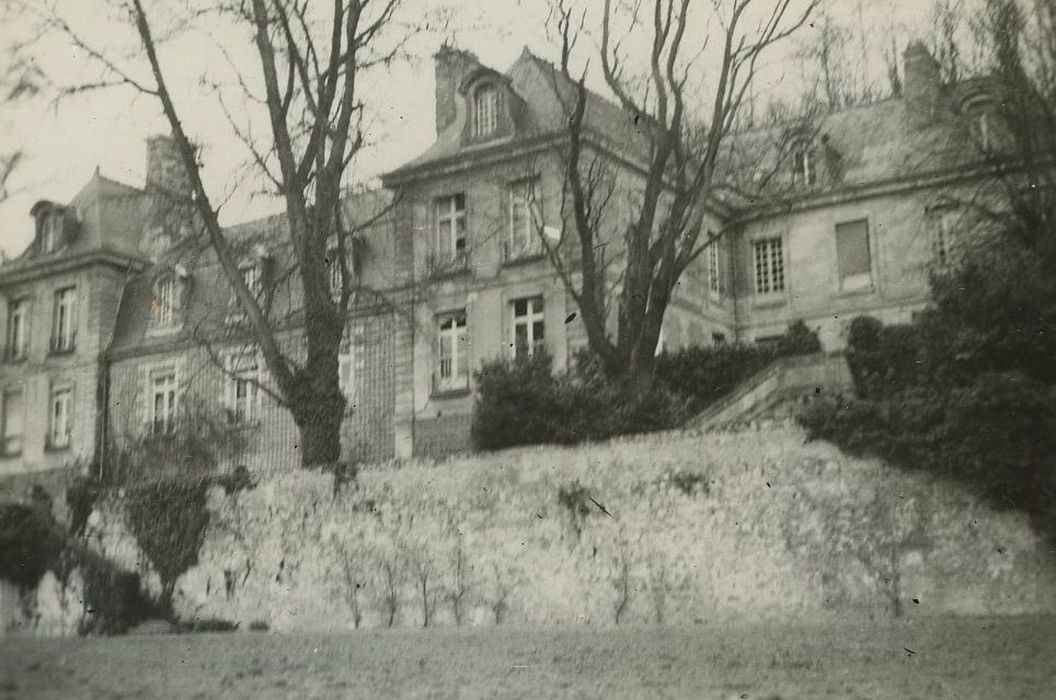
(544, 91)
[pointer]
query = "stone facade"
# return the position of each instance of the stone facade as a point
(845, 225)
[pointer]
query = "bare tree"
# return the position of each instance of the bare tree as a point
(678, 156)
(310, 58)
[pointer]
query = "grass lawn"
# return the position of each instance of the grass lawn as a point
(923, 658)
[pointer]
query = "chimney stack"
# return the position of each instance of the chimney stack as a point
(165, 172)
(452, 66)
(923, 78)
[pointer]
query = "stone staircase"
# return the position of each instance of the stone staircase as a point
(777, 391)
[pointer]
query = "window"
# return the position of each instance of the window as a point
(944, 221)
(14, 410)
(333, 266)
(52, 232)
(852, 255)
(166, 306)
(528, 327)
(451, 229)
(526, 220)
(486, 111)
(60, 425)
(63, 332)
(17, 329)
(452, 372)
(714, 270)
(346, 368)
(718, 338)
(769, 266)
(163, 404)
(804, 170)
(251, 276)
(243, 391)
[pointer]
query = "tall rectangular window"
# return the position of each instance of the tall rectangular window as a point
(167, 303)
(451, 229)
(526, 219)
(944, 222)
(486, 111)
(346, 368)
(17, 329)
(251, 276)
(14, 413)
(64, 325)
(714, 269)
(60, 425)
(163, 406)
(529, 326)
(852, 253)
(769, 266)
(242, 386)
(452, 370)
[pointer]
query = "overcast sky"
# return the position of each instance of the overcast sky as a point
(65, 143)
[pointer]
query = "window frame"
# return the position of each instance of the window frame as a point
(943, 238)
(526, 243)
(56, 441)
(18, 317)
(714, 268)
(458, 379)
(451, 210)
(171, 399)
(804, 165)
(774, 267)
(5, 421)
(486, 104)
(243, 368)
(533, 315)
(64, 320)
(167, 302)
(855, 282)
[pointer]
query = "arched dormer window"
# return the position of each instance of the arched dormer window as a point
(979, 110)
(166, 302)
(56, 226)
(485, 110)
(804, 164)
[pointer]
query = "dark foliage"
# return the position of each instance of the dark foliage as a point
(33, 543)
(30, 543)
(169, 519)
(939, 397)
(521, 402)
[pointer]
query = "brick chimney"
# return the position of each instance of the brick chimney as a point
(923, 78)
(165, 171)
(452, 66)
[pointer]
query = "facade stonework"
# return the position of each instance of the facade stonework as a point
(455, 275)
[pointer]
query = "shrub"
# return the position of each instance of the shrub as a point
(997, 435)
(30, 543)
(169, 519)
(521, 402)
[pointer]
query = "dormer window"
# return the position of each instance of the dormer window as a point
(166, 303)
(51, 233)
(485, 110)
(979, 110)
(56, 226)
(804, 166)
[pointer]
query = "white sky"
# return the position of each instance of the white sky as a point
(65, 143)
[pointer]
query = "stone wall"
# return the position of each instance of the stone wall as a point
(679, 528)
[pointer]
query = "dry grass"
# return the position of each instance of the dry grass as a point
(933, 658)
